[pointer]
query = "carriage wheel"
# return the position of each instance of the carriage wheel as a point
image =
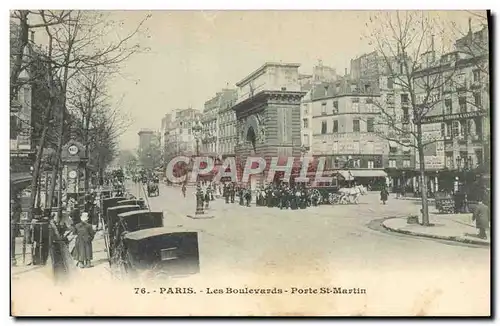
(317, 194)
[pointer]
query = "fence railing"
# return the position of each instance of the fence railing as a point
(30, 242)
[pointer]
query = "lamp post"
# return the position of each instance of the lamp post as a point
(403, 186)
(197, 130)
(467, 164)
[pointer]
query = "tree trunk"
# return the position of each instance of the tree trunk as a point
(55, 170)
(423, 181)
(38, 159)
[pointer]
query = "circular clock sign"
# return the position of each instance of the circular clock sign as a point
(72, 174)
(73, 150)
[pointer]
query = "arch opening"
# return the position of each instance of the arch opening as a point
(251, 137)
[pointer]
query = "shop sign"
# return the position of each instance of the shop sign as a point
(450, 117)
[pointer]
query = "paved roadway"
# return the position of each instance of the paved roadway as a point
(338, 245)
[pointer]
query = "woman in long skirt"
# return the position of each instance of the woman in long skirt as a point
(83, 245)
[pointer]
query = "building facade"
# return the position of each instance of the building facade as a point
(166, 124)
(227, 136)
(179, 137)
(306, 115)
(459, 121)
(25, 116)
(343, 124)
(210, 121)
(268, 113)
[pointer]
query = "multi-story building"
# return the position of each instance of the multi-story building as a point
(219, 124)
(166, 124)
(459, 121)
(179, 138)
(343, 124)
(367, 66)
(227, 136)
(24, 118)
(306, 115)
(321, 74)
(210, 121)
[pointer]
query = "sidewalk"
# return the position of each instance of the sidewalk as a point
(453, 227)
(430, 200)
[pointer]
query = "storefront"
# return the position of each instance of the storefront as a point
(372, 179)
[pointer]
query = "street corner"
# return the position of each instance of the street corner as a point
(442, 230)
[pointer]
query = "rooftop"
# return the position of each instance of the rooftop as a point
(264, 67)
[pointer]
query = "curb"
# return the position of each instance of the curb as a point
(200, 217)
(430, 200)
(432, 236)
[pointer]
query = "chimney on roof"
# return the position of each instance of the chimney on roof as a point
(345, 71)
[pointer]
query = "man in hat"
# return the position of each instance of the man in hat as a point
(481, 215)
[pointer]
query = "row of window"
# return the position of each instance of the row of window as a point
(223, 148)
(462, 104)
(370, 164)
(355, 107)
(356, 126)
(406, 164)
(227, 131)
(458, 128)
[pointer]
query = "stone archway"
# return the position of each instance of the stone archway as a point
(251, 134)
(251, 137)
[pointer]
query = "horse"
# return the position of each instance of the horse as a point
(352, 194)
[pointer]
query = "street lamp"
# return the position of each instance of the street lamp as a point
(197, 130)
(467, 165)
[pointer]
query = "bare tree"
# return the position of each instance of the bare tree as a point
(77, 42)
(87, 95)
(20, 30)
(408, 46)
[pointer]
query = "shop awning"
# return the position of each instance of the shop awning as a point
(368, 173)
(350, 174)
(346, 175)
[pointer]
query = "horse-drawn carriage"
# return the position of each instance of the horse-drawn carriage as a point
(321, 192)
(130, 221)
(329, 192)
(162, 252)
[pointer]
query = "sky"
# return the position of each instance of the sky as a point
(194, 54)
